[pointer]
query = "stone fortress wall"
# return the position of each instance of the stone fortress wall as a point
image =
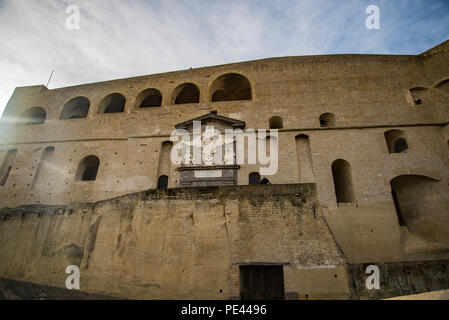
(369, 131)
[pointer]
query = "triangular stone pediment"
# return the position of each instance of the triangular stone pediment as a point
(212, 117)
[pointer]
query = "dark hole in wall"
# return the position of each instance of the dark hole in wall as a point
(88, 169)
(327, 120)
(400, 145)
(344, 189)
(188, 93)
(90, 174)
(153, 100)
(114, 103)
(276, 123)
(254, 178)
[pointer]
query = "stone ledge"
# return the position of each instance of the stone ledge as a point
(21, 290)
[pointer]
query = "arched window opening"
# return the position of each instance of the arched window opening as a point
(149, 98)
(113, 103)
(7, 166)
(254, 178)
(186, 93)
(396, 141)
(88, 169)
(230, 87)
(276, 123)
(162, 182)
(77, 108)
(327, 120)
(35, 115)
(344, 189)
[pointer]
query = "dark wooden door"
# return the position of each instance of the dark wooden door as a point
(262, 283)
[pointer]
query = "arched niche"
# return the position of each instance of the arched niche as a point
(327, 120)
(276, 123)
(88, 169)
(113, 103)
(343, 184)
(149, 98)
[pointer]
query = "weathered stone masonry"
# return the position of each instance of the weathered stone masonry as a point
(177, 243)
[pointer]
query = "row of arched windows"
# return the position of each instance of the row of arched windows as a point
(228, 87)
(115, 103)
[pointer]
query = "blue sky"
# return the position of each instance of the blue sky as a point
(126, 38)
